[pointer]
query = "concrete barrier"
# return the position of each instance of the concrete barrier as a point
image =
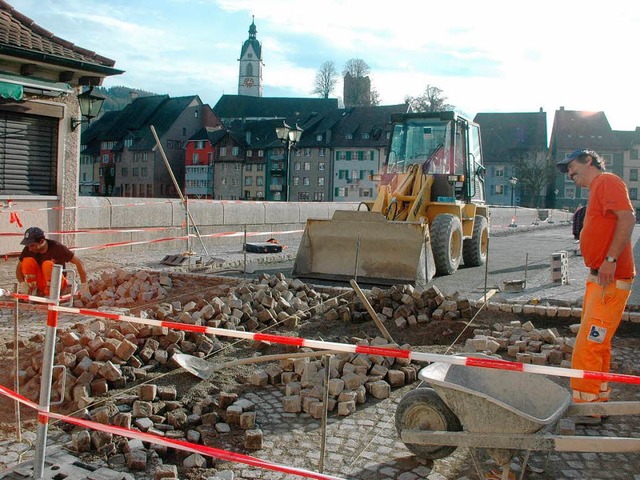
(108, 219)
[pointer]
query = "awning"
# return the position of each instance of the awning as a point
(34, 84)
(11, 91)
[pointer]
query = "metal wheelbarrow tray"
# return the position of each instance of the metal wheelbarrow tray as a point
(499, 410)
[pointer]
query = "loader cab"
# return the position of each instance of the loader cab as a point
(447, 146)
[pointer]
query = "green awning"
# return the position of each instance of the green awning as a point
(11, 91)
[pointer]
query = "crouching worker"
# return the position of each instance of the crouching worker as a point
(36, 262)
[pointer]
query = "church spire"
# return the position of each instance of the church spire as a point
(250, 72)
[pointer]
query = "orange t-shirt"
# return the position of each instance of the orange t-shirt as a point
(607, 193)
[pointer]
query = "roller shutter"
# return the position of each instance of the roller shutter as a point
(28, 154)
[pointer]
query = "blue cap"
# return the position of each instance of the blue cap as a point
(564, 163)
(32, 235)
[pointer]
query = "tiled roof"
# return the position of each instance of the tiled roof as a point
(374, 121)
(504, 134)
(579, 129)
(20, 32)
(162, 119)
(248, 107)
(95, 131)
(135, 116)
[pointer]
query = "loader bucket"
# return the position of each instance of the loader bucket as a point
(367, 247)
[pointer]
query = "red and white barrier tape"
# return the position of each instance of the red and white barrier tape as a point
(43, 416)
(160, 240)
(365, 349)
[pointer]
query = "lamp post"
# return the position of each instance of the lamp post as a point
(513, 181)
(90, 106)
(289, 137)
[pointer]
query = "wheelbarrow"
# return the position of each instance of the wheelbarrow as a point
(501, 411)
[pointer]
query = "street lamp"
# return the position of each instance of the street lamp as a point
(289, 137)
(90, 106)
(513, 181)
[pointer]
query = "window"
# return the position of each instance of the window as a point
(124, 172)
(249, 154)
(318, 197)
(633, 193)
(499, 189)
(296, 180)
(499, 172)
(235, 151)
(365, 135)
(128, 142)
(303, 196)
(259, 180)
(341, 192)
(199, 144)
(223, 182)
(260, 167)
(248, 181)
(145, 157)
(321, 166)
(307, 152)
(570, 192)
(319, 138)
(223, 151)
(143, 171)
(633, 153)
(260, 194)
(321, 181)
(105, 158)
(608, 159)
(296, 166)
(248, 167)
(321, 152)
(210, 158)
(349, 136)
(298, 152)
(223, 167)
(136, 172)
(633, 174)
(305, 181)
(195, 158)
(307, 166)
(260, 153)
(195, 113)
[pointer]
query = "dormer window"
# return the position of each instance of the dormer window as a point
(319, 138)
(349, 136)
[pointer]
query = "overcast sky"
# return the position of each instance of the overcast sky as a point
(486, 56)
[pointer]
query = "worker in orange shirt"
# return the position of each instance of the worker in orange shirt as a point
(37, 259)
(605, 243)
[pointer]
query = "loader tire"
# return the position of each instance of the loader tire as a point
(446, 241)
(423, 409)
(474, 249)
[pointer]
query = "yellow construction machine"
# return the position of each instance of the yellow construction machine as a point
(428, 216)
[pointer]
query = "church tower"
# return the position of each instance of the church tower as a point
(250, 74)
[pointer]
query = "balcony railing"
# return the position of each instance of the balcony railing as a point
(275, 188)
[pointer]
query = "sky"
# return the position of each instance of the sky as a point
(485, 56)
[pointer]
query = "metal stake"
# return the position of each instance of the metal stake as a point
(325, 413)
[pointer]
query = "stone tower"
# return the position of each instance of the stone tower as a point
(250, 73)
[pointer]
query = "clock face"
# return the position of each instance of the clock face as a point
(248, 82)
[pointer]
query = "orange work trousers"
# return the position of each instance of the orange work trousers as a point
(602, 310)
(39, 275)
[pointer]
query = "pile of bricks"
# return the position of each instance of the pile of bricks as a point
(156, 410)
(121, 287)
(352, 378)
(524, 343)
(402, 304)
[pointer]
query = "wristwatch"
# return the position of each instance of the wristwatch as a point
(610, 259)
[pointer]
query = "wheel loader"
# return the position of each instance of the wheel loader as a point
(429, 214)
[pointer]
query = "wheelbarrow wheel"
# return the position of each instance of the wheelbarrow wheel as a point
(423, 409)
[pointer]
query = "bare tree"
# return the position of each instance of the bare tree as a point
(326, 79)
(534, 172)
(374, 98)
(432, 100)
(356, 67)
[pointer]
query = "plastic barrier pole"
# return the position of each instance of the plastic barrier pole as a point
(47, 369)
